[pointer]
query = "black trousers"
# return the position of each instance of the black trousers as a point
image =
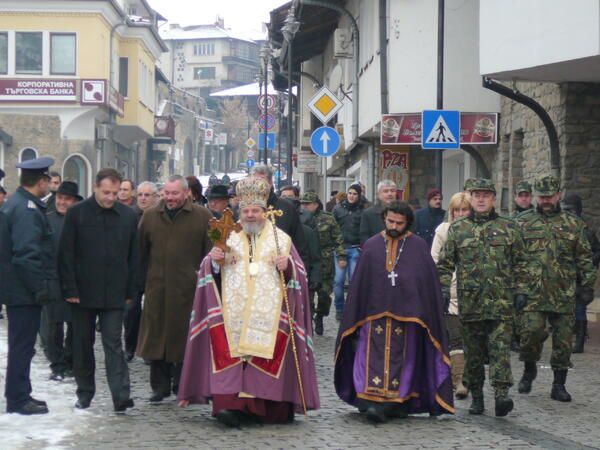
(60, 346)
(164, 376)
(84, 363)
(131, 322)
(23, 327)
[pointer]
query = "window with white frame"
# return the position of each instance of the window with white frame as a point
(204, 49)
(27, 154)
(62, 53)
(38, 53)
(204, 73)
(3, 53)
(146, 85)
(28, 52)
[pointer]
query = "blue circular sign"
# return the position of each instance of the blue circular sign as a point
(325, 141)
(249, 163)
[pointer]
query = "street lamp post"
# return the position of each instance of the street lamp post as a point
(289, 30)
(265, 54)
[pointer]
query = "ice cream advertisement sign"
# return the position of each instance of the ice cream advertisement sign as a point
(405, 129)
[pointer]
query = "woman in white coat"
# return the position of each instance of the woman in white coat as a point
(460, 206)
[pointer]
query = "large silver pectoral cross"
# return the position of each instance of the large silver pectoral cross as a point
(392, 276)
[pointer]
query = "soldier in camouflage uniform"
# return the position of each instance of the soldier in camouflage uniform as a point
(558, 254)
(486, 251)
(331, 240)
(522, 197)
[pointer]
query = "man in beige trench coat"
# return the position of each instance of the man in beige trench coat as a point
(173, 241)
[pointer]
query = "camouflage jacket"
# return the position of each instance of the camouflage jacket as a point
(331, 239)
(558, 255)
(487, 252)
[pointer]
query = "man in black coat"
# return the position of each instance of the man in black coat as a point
(98, 259)
(30, 279)
(58, 312)
(290, 220)
(371, 222)
(429, 218)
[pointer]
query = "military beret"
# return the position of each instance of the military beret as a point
(522, 186)
(309, 197)
(546, 186)
(482, 184)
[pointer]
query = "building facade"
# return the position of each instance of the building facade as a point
(77, 83)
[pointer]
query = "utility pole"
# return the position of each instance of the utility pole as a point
(440, 87)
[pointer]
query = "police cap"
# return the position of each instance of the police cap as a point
(37, 165)
(309, 197)
(546, 186)
(522, 186)
(482, 184)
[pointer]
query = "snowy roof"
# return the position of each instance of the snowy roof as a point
(205, 32)
(246, 90)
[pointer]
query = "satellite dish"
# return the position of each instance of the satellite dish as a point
(335, 78)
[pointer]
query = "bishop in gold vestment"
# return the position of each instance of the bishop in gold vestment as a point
(239, 352)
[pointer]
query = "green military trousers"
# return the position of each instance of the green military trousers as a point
(533, 334)
(483, 339)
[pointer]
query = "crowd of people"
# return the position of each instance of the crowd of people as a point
(424, 297)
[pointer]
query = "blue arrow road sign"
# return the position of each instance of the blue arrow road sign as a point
(440, 129)
(325, 141)
(270, 141)
(249, 163)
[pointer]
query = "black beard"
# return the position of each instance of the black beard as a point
(394, 233)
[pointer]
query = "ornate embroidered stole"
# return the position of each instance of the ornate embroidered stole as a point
(252, 304)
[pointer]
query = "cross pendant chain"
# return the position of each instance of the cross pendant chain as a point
(392, 276)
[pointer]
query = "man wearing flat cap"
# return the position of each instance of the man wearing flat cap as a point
(58, 312)
(31, 279)
(487, 253)
(558, 255)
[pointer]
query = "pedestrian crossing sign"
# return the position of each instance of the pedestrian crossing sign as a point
(440, 129)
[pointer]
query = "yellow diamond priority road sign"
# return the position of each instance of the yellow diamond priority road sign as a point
(250, 143)
(324, 105)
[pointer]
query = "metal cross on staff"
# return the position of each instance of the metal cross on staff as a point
(224, 227)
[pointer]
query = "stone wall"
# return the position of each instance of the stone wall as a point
(41, 133)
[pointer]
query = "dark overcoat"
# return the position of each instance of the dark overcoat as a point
(172, 250)
(98, 255)
(58, 310)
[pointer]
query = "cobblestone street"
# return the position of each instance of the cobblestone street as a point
(536, 422)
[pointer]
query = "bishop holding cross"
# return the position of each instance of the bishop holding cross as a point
(392, 351)
(240, 354)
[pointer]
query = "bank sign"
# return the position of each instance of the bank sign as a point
(32, 90)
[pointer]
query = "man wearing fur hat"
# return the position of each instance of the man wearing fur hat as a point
(241, 353)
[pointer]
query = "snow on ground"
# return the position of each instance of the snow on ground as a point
(43, 430)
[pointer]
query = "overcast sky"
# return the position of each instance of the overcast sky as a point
(241, 15)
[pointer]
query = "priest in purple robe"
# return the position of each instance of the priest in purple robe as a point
(392, 352)
(240, 353)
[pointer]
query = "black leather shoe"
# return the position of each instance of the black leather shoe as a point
(477, 406)
(319, 324)
(122, 406)
(375, 414)
(29, 408)
(38, 402)
(158, 397)
(504, 405)
(228, 417)
(82, 403)
(129, 355)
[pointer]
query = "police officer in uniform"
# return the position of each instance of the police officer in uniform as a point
(558, 255)
(486, 251)
(31, 280)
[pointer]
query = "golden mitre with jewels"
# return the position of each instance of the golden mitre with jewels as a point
(252, 192)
